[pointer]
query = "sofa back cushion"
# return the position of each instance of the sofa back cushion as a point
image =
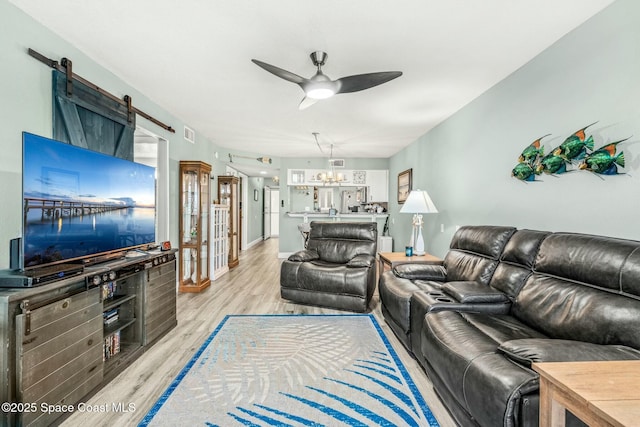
(516, 262)
(630, 274)
(339, 242)
(583, 289)
(474, 252)
(594, 260)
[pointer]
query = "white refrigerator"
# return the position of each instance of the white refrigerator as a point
(271, 212)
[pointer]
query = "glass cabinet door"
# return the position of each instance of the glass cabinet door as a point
(205, 206)
(229, 196)
(194, 226)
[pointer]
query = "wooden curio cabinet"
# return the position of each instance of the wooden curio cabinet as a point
(228, 195)
(195, 202)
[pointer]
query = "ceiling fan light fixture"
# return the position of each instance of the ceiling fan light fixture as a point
(320, 92)
(320, 87)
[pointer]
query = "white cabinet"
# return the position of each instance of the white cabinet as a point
(377, 180)
(378, 183)
(296, 177)
(220, 240)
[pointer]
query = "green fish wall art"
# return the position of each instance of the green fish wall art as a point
(552, 165)
(578, 147)
(526, 169)
(604, 160)
(575, 147)
(524, 172)
(532, 152)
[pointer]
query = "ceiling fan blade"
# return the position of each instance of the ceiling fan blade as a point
(283, 74)
(306, 103)
(365, 81)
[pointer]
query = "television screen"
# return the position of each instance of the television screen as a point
(79, 203)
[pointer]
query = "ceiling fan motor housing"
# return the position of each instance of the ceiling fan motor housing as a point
(319, 58)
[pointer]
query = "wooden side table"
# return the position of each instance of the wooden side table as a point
(599, 393)
(388, 260)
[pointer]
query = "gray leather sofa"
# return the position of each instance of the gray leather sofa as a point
(337, 269)
(504, 298)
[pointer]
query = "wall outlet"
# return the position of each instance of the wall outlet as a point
(442, 228)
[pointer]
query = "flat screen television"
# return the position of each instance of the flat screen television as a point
(81, 206)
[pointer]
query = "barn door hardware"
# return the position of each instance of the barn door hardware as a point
(65, 66)
(66, 63)
(130, 111)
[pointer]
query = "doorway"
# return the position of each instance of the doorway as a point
(271, 213)
(152, 150)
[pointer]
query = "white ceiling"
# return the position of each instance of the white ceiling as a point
(193, 58)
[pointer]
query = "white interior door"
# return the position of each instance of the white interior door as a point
(275, 212)
(266, 213)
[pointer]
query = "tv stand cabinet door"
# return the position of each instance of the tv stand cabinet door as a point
(160, 302)
(59, 357)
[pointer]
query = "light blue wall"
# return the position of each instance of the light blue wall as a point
(592, 74)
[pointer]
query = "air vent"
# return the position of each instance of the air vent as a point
(336, 163)
(190, 135)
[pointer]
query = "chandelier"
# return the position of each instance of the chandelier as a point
(331, 176)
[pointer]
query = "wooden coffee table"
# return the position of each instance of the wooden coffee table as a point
(388, 260)
(599, 393)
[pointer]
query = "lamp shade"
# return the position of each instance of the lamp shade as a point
(418, 202)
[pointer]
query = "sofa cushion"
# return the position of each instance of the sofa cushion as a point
(517, 260)
(320, 276)
(461, 265)
(509, 278)
(395, 295)
(421, 271)
(361, 261)
(526, 351)
(304, 256)
(500, 328)
(630, 274)
(568, 310)
(485, 240)
(494, 389)
(523, 246)
(469, 292)
(593, 260)
(449, 345)
(339, 242)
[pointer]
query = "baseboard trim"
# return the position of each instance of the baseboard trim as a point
(255, 242)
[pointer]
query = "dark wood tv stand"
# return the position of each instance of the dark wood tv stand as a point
(64, 340)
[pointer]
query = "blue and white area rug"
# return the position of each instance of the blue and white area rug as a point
(293, 370)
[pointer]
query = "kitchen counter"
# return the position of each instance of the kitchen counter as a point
(339, 217)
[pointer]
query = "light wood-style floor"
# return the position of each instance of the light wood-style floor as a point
(253, 287)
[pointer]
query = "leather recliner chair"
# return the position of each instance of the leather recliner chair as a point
(336, 270)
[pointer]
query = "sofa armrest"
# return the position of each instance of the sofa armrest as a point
(528, 350)
(362, 260)
(304, 255)
(484, 308)
(435, 301)
(469, 292)
(435, 272)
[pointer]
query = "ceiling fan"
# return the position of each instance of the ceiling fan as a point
(320, 86)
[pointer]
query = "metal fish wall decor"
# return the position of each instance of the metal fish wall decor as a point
(577, 149)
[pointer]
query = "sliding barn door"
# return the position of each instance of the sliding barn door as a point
(85, 118)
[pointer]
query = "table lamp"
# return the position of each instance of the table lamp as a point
(418, 203)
